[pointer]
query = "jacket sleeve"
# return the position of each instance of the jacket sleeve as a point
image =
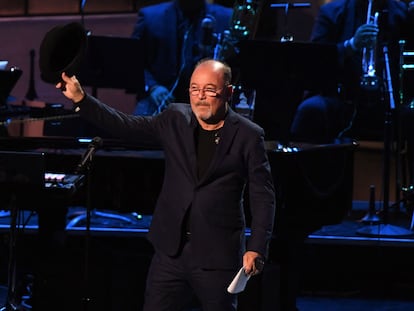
(261, 197)
(140, 32)
(144, 131)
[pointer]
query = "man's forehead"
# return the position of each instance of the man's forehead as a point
(207, 72)
(212, 65)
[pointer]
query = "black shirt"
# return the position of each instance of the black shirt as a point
(206, 142)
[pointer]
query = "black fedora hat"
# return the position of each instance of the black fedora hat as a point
(62, 50)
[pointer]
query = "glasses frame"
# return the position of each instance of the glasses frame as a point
(209, 92)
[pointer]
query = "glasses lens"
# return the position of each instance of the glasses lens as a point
(207, 92)
(210, 93)
(194, 91)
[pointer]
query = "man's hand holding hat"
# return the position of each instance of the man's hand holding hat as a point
(71, 88)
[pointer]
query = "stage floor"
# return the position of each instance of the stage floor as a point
(343, 268)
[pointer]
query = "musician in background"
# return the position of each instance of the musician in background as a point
(354, 111)
(175, 34)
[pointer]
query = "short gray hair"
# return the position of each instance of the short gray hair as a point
(226, 68)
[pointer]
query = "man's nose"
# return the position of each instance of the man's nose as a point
(201, 94)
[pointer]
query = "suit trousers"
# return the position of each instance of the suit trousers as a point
(172, 283)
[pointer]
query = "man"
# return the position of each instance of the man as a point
(175, 34)
(211, 155)
(356, 110)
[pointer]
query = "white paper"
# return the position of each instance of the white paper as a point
(3, 64)
(239, 282)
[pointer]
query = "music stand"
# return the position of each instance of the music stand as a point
(113, 62)
(21, 178)
(8, 79)
(280, 72)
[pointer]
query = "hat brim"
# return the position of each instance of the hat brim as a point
(62, 50)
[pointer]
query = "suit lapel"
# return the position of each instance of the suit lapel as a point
(190, 149)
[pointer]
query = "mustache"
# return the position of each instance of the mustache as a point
(202, 103)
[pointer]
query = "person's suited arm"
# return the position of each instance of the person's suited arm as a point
(326, 30)
(328, 27)
(157, 92)
(137, 129)
(262, 203)
(140, 32)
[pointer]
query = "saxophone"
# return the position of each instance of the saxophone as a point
(243, 26)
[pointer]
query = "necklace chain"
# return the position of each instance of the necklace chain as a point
(217, 136)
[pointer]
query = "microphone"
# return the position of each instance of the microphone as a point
(95, 144)
(207, 35)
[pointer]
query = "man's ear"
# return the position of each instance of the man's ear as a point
(229, 91)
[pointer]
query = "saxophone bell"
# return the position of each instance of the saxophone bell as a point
(242, 26)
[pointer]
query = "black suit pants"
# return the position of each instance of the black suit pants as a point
(172, 281)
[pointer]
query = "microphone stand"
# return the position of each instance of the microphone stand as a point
(384, 229)
(82, 11)
(86, 166)
(31, 92)
(11, 304)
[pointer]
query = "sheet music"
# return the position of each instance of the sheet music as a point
(239, 282)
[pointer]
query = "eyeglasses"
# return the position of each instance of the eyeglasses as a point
(210, 92)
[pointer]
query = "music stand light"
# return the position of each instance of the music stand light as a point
(8, 79)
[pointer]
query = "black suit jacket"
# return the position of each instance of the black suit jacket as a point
(216, 200)
(337, 22)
